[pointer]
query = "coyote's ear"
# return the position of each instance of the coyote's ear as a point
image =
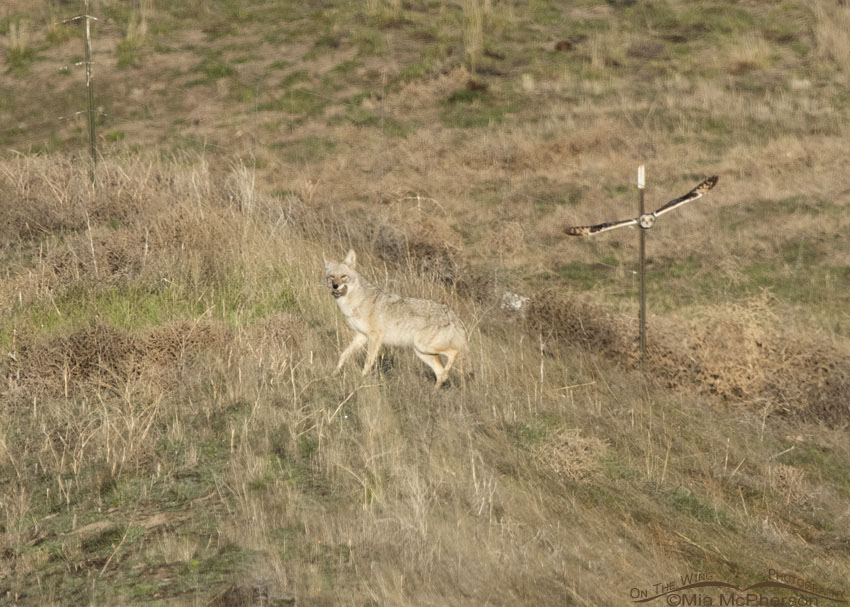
(350, 259)
(325, 259)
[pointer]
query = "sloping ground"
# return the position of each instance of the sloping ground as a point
(171, 430)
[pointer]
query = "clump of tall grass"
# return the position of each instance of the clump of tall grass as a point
(831, 24)
(473, 32)
(19, 51)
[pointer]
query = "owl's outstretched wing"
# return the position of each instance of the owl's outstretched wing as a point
(602, 227)
(697, 192)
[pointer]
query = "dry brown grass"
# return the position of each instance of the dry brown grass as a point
(169, 427)
(830, 20)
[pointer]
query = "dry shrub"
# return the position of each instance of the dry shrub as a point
(477, 284)
(407, 237)
(33, 217)
(421, 242)
(507, 240)
(826, 391)
(98, 353)
(733, 348)
(102, 254)
(559, 317)
(107, 356)
(744, 353)
(740, 353)
(199, 242)
(197, 245)
(52, 195)
(418, 94)
(259, 593)
(40, 197)
(280, 330)
(645, 49)
(167, 348)
(571, 455)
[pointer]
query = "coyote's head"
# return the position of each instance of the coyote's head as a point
(341, 276)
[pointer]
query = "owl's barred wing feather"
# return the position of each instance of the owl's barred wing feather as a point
(602, 227)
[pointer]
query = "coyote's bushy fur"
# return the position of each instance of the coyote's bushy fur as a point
(432, 329)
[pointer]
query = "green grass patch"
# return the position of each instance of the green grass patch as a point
(127, 307)
(684, 501)
(465, 108)
(347, 66)
(134, 307)
(526, 435)
(796, 277)
(306, 149)
(18, 59)
(295, 77)
(127, 52)
(618, 470)
(213, 69)
(370, 43)
(821, 463)
(413, 71)
(61, 33)
(584, 276)
(597, 496)
(297, 102)
(717, 17)
(741, 216)
(388, 125)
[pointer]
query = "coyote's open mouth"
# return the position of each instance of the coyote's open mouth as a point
(342, 290)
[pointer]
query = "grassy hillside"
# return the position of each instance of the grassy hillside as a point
(170, 430)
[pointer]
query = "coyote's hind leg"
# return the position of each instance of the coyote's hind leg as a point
(433, 361)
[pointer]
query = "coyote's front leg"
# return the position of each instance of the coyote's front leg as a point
(358, 342)
(375, 341)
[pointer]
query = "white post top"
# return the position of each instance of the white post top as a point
(641, 177)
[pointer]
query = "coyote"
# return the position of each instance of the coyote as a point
(432, 329)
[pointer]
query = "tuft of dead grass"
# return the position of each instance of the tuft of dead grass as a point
(573, 456)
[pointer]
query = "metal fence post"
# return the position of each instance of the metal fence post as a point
(90, 87)
(641, 183)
